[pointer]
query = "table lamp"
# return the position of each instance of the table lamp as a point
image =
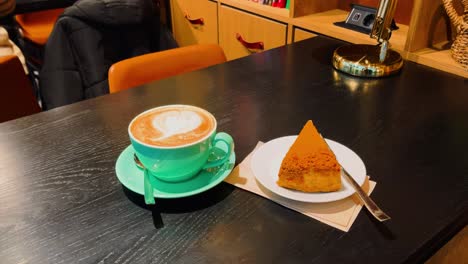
(372, 60)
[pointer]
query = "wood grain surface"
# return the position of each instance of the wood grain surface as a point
(61, 202)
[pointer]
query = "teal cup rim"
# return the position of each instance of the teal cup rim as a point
(214, 129)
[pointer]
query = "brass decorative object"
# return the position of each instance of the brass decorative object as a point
(368, 60)
(364, 61)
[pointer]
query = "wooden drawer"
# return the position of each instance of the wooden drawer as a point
(300, 34)
(251, 28)
(190, 33)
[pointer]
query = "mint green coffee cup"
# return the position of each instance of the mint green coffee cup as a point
(174, 142)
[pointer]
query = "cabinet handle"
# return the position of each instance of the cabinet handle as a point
(197, 21)
(250, 45)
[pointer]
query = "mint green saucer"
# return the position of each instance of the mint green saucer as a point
(132, 178)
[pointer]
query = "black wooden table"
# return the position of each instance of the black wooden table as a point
(60, 200)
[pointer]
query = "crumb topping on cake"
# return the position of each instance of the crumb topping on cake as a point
(297, 164)
(310, 152)
(309, 164)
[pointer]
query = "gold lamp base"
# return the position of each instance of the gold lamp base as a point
(363, 61)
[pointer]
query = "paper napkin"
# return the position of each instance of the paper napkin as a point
(339, 214)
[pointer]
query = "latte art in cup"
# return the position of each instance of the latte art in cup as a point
(172, 126)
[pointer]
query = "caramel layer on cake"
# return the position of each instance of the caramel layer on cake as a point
(310, 165)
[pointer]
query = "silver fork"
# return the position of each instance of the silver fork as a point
(370, 205)
(368, 202)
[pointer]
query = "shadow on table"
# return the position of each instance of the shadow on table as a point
(381, 226)
(181, 205)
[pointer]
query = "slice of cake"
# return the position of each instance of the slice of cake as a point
(310, 165)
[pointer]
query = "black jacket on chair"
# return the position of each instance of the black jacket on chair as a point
(87, 39)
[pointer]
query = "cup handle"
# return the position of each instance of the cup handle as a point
(227, 139)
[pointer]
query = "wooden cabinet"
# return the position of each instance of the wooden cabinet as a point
(194, 21)
(241, 33)
(422, 36)
(300, 34)
(423, 29)
(322, 23)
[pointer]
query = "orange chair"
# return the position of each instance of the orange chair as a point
(17, 99)
(35, 30)
(159, 65)
(37, 26)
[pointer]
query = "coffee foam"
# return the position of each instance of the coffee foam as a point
(172, 126)
(175, 122)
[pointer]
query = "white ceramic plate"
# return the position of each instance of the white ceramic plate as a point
(266, 162)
